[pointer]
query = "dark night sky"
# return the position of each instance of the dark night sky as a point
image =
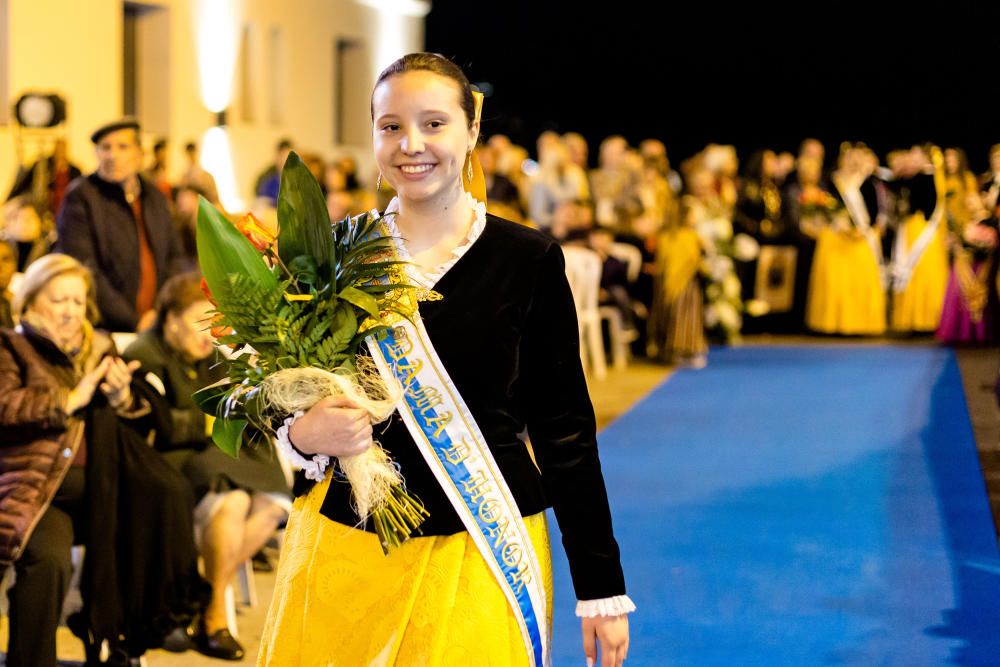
(755, 77)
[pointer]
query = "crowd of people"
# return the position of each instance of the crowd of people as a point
(114, 251)
(779, 243)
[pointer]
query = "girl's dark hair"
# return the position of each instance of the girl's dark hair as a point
(432, 62)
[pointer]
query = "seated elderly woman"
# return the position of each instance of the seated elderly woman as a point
(241, 502)
(75, 470)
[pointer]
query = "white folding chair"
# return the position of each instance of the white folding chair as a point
(616, 333)
(631, 256)
(583, 270)
(248, 595)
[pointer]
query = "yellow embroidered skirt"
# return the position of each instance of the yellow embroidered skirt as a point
(338, 601)
(918, 307)
(845, 289)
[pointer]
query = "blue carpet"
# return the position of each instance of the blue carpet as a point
(801, 506)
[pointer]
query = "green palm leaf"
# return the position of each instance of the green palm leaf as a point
(303, 219)
(365, 302)
(228, 435)
(223, 252)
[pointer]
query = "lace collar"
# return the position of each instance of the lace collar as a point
(427, 278)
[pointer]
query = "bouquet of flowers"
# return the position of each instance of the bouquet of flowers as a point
(817, 202)
(723, 303)
(980, 239)
(296, 308)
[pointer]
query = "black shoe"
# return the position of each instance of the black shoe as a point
(220, 644)
(261, 563)
(180, 639)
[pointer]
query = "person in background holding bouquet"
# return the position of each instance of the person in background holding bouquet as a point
(505, 332)
(846, 295)
(970, 303)
(805, 194)
(959, 183)
(919, 252)
(711, 218)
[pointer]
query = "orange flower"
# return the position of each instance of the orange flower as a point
(208, 293)
(812, 196)
(259, 235)
(218, 330)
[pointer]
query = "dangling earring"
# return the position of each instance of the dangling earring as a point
(378, 182)
(470, 166)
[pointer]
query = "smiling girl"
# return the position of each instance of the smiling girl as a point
(499, 354)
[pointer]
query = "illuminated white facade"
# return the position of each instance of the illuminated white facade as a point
(301, 69)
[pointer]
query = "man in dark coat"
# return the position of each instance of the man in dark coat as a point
(119, 225)
(45, 182)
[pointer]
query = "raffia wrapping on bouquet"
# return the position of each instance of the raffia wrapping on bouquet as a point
(372, 474)
(297, 307)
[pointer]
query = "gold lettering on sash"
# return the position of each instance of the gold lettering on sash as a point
(484, 501)
(409, 371)
(519, 579)
(489, 510)
(401, 345)
(457, 453)
(439, 423)
(478, 486)
(512, 554)
(499, 532)
(427, 398)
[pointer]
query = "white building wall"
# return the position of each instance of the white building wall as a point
(75, 48)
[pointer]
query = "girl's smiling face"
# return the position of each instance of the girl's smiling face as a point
(421, 134)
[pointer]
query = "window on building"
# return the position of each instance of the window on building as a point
(5, 101)
(351, 121)
(146, 66)
(130, 98)
(248, 74)
(278, 59)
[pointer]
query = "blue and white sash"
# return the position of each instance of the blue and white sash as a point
(905, 258)
(457, 453)
(855, 204)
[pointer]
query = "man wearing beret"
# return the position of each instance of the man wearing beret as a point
(119, 225)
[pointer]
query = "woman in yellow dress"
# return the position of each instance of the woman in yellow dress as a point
(920, 254)
(503, 340)
(676, 328)
(846, 295)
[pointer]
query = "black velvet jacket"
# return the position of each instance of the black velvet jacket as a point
(506, 331)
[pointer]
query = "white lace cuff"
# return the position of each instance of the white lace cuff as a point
(618, 605)
(314, 468)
